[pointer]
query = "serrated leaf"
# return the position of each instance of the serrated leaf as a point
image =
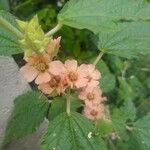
(58, 106)
(8, 42)
(29, 111)
(71, 132)
(129, 41)
(97, 15)
(9, 17)
(141, 132)
(107, 81)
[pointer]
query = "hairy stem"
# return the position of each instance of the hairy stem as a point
(98, 58)
(54, 30)
(5, 24)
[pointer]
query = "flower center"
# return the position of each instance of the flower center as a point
(94, 113)
(73, 76)
(90, 96)
(54, 82)
(41, 66)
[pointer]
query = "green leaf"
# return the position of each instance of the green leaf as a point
(116, 64)
(71, 132)
(129, 41)
(123, 116)
(58, 106)
(4, 4)
(125, 91)
(104, 127)
(107, 81)
(8, 42)
(29, 111)
(137, 87)
(129, 110)
(118, 121)
(97, 15)
(9, 17)
(141, 132)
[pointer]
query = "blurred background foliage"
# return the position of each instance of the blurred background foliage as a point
(122, 79)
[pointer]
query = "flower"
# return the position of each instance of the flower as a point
(91, 96)
(93, 75)
(95, 112)
(53, 47)
(76, 75)
(58, 80)
(57, 68)
(57, 83)
(37, 68)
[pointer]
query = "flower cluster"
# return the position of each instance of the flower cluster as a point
(56, 77)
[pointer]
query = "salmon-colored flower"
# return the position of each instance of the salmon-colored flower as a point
(93, 75)
(37, 68)
(58, 80)
(95, 112)
(53, 47)
(91, 96)
(76, 75)
(57, 84)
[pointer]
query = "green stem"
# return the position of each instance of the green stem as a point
(4, 23)
(98, 58)
(68, 105)
(23, 4)
(111, 144)
(54, 30)
(126, 66)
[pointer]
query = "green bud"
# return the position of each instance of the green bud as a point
(34, 38)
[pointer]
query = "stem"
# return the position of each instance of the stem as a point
(112, 146)
(126, 66)
(129, 128)
(68, 105)
(54, 30)
(23, 4)
(4, 23)
(98, 58)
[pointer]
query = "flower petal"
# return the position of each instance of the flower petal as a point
(82, 70)
(93, 83)
(43, 78)
(45, 88)
(56, 68)
(71, 65)
(81, 83)
(96, 75)
(29, 72)
(91, 68)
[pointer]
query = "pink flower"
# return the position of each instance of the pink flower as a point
(76, 75)
(37, 68)
(58, 80)
(93, 75)
(91, 96)
(94, 113)
(53, 47)
(56, 84)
